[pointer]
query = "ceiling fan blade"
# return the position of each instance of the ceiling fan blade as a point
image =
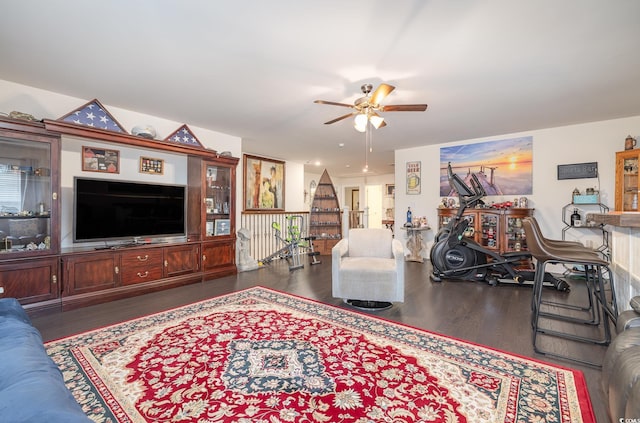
(380, 93)
(339, 118)
(404, 108)
(333, 103)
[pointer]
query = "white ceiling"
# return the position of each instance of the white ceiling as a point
(253, 68)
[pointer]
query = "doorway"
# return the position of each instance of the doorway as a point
(352, 199)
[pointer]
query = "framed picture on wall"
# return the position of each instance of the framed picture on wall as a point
(413, 177)
(100, 160)
(506, 165)
(263, 184)
(390, 190)
(151, 166)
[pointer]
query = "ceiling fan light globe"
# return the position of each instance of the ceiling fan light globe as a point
(360, 122)
(359, 128)
(376, 121)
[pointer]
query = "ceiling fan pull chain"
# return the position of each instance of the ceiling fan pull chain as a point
(366, 148)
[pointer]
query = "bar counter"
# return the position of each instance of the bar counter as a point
(624, 219)
(625, 252)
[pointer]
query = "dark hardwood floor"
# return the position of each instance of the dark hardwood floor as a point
(497, 317)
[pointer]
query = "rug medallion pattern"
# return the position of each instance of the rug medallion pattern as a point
(267, 357)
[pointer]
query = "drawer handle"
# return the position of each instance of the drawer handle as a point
(117, 269)
(54, 279)
(204, 258)
(143, 275)
(145, 258)
(166, 263)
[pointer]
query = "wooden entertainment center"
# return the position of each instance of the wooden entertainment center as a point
(43, 276)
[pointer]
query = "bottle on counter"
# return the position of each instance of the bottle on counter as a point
(409, 215)
(575, 216)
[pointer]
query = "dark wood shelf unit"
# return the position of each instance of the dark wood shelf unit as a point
(96, 276)
(50, 279)
(627, 188)
(495, 229)
(325, 218)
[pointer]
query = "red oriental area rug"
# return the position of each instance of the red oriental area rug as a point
(264, 356)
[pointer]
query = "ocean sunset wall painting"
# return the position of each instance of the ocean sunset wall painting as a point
(504, 167)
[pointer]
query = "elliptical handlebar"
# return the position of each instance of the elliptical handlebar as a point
(469, 196)
(477, 186)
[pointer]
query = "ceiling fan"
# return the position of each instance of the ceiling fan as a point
(366, 108)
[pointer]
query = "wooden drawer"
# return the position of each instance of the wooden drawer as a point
(141, 266)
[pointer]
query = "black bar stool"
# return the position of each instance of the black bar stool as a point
(573, 246)
(566, 247)
(603, 310)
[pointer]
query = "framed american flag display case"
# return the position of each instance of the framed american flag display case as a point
(93, 115)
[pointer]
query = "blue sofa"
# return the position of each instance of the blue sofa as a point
(31, 385)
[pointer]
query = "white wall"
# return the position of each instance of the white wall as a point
(294, 187)
(308, 177)
(590, 142)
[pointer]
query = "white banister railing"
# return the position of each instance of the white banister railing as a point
(263, 236)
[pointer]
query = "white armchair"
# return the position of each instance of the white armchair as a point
(367, 268)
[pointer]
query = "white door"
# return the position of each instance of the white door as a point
(374, 202)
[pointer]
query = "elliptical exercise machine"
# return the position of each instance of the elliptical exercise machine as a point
(454, 256)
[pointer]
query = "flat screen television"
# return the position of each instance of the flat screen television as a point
(110, 210)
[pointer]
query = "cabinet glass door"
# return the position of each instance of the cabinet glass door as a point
(217, 200)
(630, 184)
(444, 221)
(490, 230)
(471, 228)
(25, 196)
(516, 240)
